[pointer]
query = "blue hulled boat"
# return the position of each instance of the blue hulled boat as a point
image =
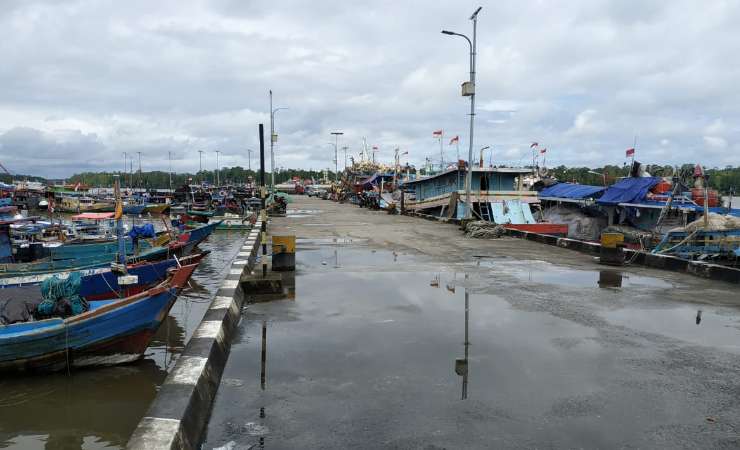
(110, 332)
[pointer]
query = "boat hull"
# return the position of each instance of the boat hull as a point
(111, 333)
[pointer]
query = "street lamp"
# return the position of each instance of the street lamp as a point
(335, 144)
(599, 174)
(273, 139)
(345, 156)
(170, 153)
(469, 90)
(218, 177)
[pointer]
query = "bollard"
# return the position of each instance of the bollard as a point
(284, 261)
(612, 249)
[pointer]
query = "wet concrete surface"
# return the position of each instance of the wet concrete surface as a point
(99, 408)
(367, 350)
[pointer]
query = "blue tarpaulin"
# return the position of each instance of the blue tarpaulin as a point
(570, 190)
(145, 231)
(629, 190)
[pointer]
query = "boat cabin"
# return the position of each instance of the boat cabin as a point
(496, 193)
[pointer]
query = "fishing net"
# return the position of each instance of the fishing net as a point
(55, 289)
(715, 222)
(482, 229)
(580, 225)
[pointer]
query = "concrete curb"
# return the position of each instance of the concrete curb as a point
(177, 417)
(666, 262)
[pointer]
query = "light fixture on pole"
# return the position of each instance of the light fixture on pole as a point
(335, 144)
(249, 167)
(273, 139)
(468, 90)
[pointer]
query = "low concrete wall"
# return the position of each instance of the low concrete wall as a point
(178, 416)
(667, 262)
(658, 261)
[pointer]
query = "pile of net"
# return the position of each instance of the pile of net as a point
(715, 222)
(62, 296)
(483, 229)
(580, 225)
(632, 235)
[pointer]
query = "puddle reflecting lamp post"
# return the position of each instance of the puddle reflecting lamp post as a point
(468, 90)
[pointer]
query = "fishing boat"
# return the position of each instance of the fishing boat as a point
(83, 204)
(110, 332)
(133, 209)
(156, 209)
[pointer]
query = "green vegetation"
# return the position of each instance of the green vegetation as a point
(724, 180)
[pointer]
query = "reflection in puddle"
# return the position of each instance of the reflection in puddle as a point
(591, 278)
(332, 240)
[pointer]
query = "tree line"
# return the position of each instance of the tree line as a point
(724, 180)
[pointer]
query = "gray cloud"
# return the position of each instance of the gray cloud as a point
(83, 81)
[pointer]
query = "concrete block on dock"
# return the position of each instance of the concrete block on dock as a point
(258, 284)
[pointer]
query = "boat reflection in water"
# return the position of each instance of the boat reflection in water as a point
(78, 406)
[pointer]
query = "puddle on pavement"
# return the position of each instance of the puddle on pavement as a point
(403, 338)
(697, 326)
(332, 240)
(592, 278)
(337, 259)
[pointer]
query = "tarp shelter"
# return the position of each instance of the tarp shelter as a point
(570, 190)
(629, 190)
(368, 183)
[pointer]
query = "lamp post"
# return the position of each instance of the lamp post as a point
(273, 139)
(335, 144)
(218, 175)
(469, 90)
(345, 156)
(200, 159)
(335, 159)
(125, 167)
(140, 153)
(599, 174)
(170, 157)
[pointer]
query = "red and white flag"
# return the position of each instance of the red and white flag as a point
(77, 186)
(360, 153)
(630, 152)
(404, 153)
(534, 144)
(437, 133)
(50, 208)
(565, 170)
(375, 149)
(190, 178)
(544, 150)
(455, 139)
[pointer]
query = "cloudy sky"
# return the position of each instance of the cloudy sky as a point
(83, 81)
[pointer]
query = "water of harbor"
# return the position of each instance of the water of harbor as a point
(100, 408)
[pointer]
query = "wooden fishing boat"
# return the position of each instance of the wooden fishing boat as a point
(156, 209)
(110, 332)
